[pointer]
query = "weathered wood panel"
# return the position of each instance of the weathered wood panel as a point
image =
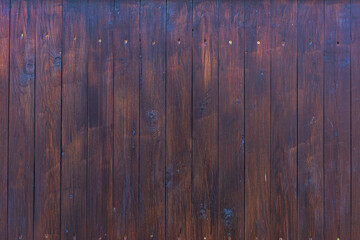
(178, 119)
(169, 119)
(152, 121)
(283, 103)
(231, 120)
(4, 113)
(310, 119)
(21, 120)
(257, 119)
(74, 121)
(126, 118)
(337, 166)
(100, 116)
(205, 120)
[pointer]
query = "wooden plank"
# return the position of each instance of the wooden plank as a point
(283, 179)
(126, 118)
(152, 121)
(257, 119)
(337, 219)
(231, 120)
(205, 120)
(4, 113)
(355, 119)
(74, 121)
(310, 119)
(100, 120)
(47, 120)
(21, 120)
(178, 119)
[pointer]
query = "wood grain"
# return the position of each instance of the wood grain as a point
(257, 119)
(283, 179)
(74, 121)
(100, 120)
(4, 113)
(178, 119)
(152, 121)
(355, 119)
(337, 120)
(21, 120)
(205, 120)
(310, 119)
(48, 120)
(126, 119)
(231, 120)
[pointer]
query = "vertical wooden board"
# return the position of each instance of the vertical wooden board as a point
(21, 120)
(126, 118)
(337, 120)
(74, 121)
(152, 121)
(4, 107)
(283, 180)
(310, 119)
(205, 120)
(257, 119)
(178, 119)
(47, 120)
(231, 120)
(355, 119)
(99, 207)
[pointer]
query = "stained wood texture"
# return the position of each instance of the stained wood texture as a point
(257, 119)
(205, 164)
(152, 121)
(4, 113)
(21, 120)
(355, 118)
(100, 117)
(47, 120)
(310, 119)
(178, 119)
(337, 166)
(155, 119)
(283, 146)
(126, 119)
(74, 121)
(231, 120)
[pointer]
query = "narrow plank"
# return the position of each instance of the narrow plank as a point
(283, 179)
(337, 120)
(310, 119)
(231, 120)
(205, 120)
(257, 119)
(99, 209)
(21, 120)
(74, 121)
(4, 114)
(126, 118)
(47, 120)
(178, 119)
(152, 121)
(355, 119)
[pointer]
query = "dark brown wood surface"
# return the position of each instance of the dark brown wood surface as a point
(74, 121)
(47, 120)
(4, 113)
(126, 119)
(337, 121)
(179, 119)
(310, 119)
(283, 180)
(257, 119)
